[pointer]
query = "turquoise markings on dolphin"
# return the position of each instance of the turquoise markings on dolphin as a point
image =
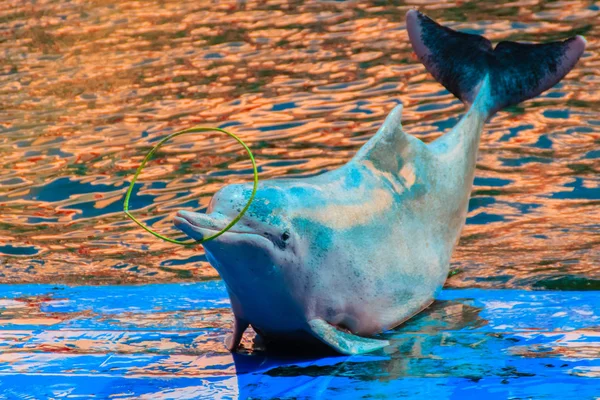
(337, 258)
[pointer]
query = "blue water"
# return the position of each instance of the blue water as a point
(114, 341)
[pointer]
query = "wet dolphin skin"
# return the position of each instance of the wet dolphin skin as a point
(337, 258)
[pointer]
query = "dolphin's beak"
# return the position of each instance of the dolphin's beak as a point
(198, 225)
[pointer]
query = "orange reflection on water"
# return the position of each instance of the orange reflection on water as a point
(88, 87)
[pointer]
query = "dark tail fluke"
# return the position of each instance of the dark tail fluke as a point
(516, 71)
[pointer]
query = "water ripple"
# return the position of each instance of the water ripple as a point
(87, 88)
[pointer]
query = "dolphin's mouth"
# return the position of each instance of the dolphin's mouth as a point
(199, 226)
(201, 221)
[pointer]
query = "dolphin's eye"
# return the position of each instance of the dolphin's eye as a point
(285, 236)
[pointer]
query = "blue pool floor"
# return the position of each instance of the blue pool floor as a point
(166, 342)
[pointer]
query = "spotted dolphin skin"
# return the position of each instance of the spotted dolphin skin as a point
(340, 257)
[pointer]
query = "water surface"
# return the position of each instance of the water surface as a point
(86, 88)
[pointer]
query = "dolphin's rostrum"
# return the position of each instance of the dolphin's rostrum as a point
(345, 255)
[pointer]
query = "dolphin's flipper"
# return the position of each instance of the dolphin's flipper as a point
(517, 71)
(343, 342)
(233, 340)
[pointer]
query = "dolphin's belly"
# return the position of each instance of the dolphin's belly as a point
(372, 314)
(379, 287)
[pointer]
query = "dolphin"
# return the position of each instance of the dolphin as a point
(338, 258)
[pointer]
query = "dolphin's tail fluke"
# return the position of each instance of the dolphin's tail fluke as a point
(516, 71)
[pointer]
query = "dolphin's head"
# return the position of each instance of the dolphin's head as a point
(263, 233)
(253, 256)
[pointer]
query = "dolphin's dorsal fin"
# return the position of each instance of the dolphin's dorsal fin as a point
(391, 147)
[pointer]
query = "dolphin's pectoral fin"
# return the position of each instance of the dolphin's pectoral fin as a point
(343, 342)
(233, 340)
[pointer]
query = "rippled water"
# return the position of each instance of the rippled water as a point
(86, 88)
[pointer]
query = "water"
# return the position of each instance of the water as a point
(165, 341)
(86, 88)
